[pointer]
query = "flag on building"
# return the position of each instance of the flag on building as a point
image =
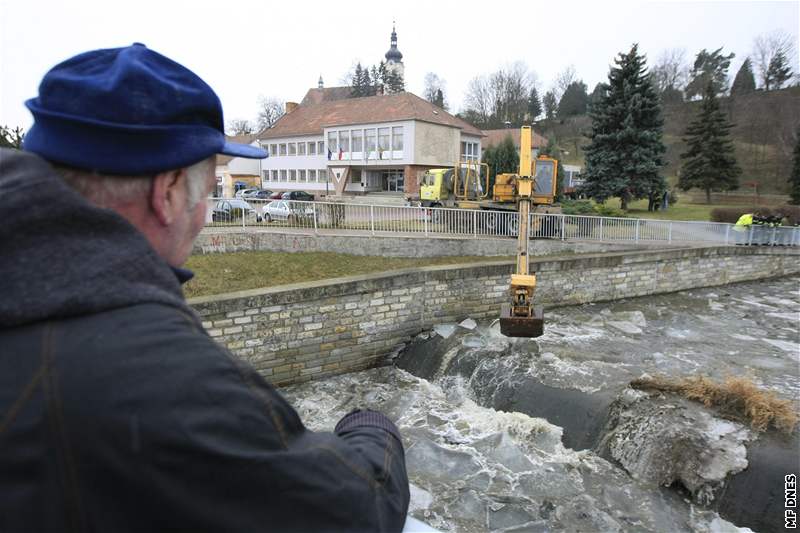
(329, 154)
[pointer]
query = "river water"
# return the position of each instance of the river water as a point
(479, 460)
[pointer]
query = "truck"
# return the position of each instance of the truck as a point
(466, 186)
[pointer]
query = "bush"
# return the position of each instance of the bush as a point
(608, 211)
(732, 214)
(578, 207)
(792, 212)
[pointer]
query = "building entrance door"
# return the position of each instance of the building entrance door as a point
(393, 180)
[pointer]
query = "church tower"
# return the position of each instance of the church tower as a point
(394, 59)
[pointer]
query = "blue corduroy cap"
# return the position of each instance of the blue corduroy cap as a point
(127, 111)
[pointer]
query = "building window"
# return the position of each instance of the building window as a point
(301, 148)
(321, 147)
(312, 174)
(358, 140)
(292, 175)
(301, 175)
(283, 174)
(397, 138)
(371, 146)
(292, 148)
(323, 175)
(282, 149)
(383, 141)
(344, 141)
(273, 150)
(312, 148)
(274, 175)
(469, 151)
(332, 142)
(266, 175)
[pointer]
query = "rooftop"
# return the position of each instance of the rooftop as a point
(310, 119)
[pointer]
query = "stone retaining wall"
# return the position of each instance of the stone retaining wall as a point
(295, 333)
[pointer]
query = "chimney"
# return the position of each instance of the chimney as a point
(290, 106)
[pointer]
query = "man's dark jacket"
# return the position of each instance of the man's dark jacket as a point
(119, 413)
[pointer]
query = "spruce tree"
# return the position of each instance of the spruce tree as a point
(745, 81)
(794, 179)
(625, 153)
(709, 163)
(357, 83)
(574, 101)
(534, 104)
(550, 105)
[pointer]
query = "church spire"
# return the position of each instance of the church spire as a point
(393, 55)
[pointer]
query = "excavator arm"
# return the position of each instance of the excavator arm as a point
(519, 317)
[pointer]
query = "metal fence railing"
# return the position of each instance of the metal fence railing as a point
(387, 220)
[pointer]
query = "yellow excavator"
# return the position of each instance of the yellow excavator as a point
(531, 190)
(520, 318)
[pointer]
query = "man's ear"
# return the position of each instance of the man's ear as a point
(167, 195)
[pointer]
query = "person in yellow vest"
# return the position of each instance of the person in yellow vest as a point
(743, 227)
(744, 221)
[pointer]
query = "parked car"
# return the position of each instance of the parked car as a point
(287, 210)
(298, 195)
(234, 209)
(255, 194)
(277, 195)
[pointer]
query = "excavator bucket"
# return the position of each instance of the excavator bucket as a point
(521, 326)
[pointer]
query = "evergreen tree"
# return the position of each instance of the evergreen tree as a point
(625, 153)
(778, 72)
(392, 82)
(534, 104)
(745, 81)
(11, 138)
(794, 179)
(550, 105)
(574, 100)
(709, 66)
(438, 100)
(597, 93)
(506, 156)
(709, 163)
(356, 85)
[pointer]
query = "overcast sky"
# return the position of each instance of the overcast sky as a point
(244, 49)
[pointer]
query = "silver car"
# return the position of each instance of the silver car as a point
(287, 210)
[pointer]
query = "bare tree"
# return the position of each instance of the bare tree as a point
(240, 126)
(269, 111)
(564, 79)
(500, 97)
(671, 71)
(435, 90)
(478, 99)
(765, 48)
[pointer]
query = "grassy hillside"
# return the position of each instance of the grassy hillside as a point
(765, 126)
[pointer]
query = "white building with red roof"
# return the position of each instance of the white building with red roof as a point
(333, 144)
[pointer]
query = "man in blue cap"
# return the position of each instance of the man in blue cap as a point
(117, 411)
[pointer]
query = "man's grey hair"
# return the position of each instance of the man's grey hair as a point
(107, 190)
